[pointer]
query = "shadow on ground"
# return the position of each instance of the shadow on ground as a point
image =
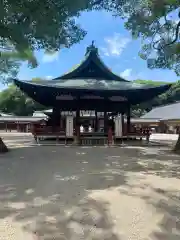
(169, 205)
(166, 203)
(47, 188)
(165, 199)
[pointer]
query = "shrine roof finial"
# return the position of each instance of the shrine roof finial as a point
(91, 48)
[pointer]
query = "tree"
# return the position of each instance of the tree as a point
(40, 24)
(157, 23)
(27, 25)
(13, 100)
(36, 79)
(10, 62)
(152, 21)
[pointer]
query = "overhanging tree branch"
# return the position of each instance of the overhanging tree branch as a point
(170, 43)
(176, 34)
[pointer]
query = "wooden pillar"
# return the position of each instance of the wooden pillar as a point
(128, 119)
(77, 126)
(122, 122)
(96, 122)
(59, 120)
(55, 118)
(105, 122)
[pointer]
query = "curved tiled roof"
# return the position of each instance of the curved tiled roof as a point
(170, 111)
(91, 77)
(92, 84)
(91, 62)
(47, 92)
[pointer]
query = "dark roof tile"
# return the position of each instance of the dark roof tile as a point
(170, 111)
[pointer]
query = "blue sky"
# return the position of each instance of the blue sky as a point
(116, 48)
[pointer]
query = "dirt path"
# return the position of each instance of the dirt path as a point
(129, 193)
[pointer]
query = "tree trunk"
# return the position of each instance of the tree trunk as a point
(3, 147)
(177, 146)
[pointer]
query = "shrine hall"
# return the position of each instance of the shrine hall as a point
(105, 98)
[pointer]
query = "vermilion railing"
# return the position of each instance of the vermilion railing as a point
(136, 133)
(47, 130)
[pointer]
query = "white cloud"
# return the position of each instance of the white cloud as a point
(49, 77)
(130, 74)
(50, 57)
(127, 74)
(115, 45)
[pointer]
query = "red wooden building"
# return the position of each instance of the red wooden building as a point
(10, 123)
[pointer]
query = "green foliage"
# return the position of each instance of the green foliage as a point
(157, 23)
(160, 33)
(171, 96)
(10, 62)
(41, 24)
(150, 82)
(27, 25)
(36, 79)
(23, 56)
(12, 100)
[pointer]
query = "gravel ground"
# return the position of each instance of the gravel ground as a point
(74, 193)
